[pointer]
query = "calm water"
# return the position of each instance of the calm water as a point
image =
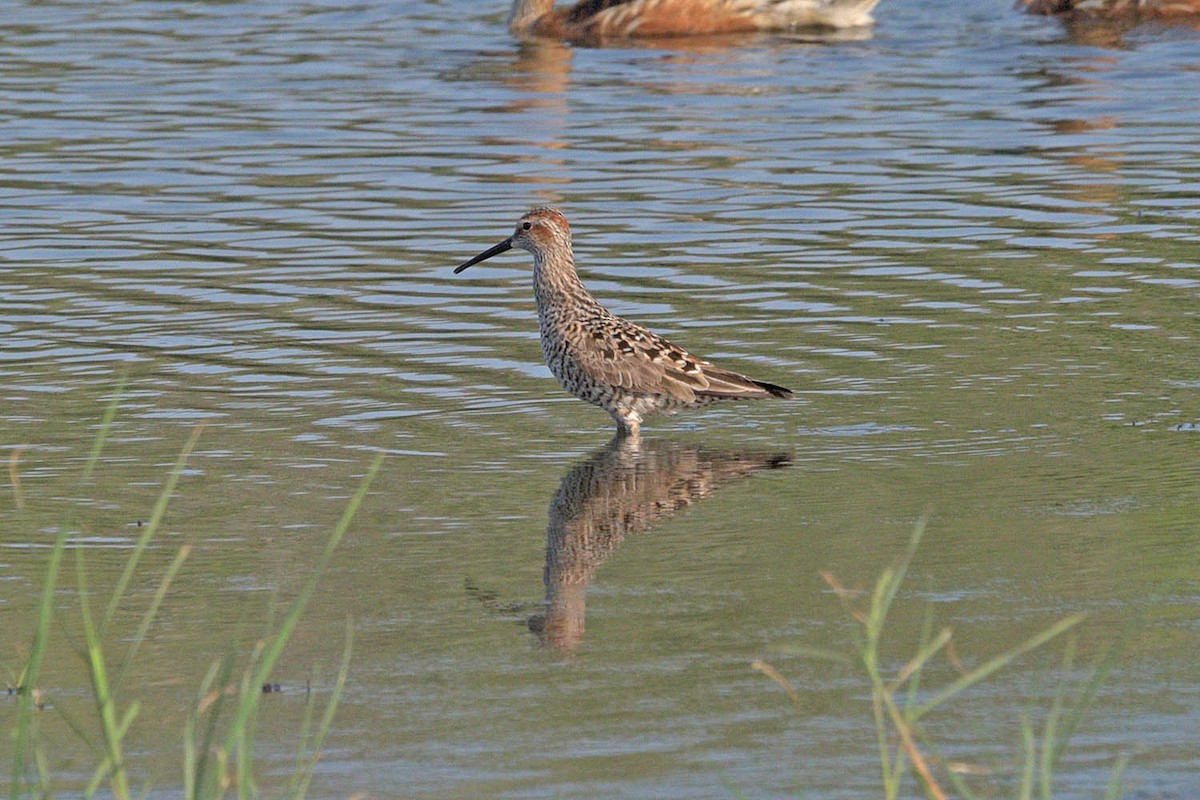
(970, 239)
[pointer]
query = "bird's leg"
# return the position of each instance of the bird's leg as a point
(629, 424)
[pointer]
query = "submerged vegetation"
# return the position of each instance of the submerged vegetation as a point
(900, 703)
(218, 733)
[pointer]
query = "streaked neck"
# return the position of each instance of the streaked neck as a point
(555, 280)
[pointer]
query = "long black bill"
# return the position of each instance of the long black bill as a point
(486, 254)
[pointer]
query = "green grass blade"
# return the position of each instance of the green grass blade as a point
(98, 776)
(1114, 779)
(242, 749)
(110, 414)
(46, 610)
(999, 662)
(306, 743)
(305, 771)
(917, 663)
(160, 508)
(29, 675)
(250, 703)
(914, 683)
(208, 773)
(890, 580)
(886, 769)
(1029, 759)
(1088, 693)
(106, 710)
(43, 773)
(152, 611)
(1050, 730)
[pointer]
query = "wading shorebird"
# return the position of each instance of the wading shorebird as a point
(599, 357)
(623, 19)
(1115, 8)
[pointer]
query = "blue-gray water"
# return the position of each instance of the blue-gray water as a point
(967, 238)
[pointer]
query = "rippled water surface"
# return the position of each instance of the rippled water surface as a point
(969, 239)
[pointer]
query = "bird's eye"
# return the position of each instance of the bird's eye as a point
(526, 226)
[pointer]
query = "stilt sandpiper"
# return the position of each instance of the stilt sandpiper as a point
(599, 357)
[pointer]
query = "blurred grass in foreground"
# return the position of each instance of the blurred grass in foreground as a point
(899, 703)
(219, 731)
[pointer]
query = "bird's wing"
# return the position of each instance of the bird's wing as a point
(619, 18)
(619, 353)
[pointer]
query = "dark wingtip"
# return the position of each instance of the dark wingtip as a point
(775, 391)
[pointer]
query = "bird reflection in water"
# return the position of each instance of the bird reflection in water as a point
(627, 487)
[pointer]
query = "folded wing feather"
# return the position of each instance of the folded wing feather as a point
(628, 356)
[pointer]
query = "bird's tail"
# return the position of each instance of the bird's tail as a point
(824, 13)
(776, 391)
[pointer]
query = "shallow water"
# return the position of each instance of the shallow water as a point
(968, 238)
